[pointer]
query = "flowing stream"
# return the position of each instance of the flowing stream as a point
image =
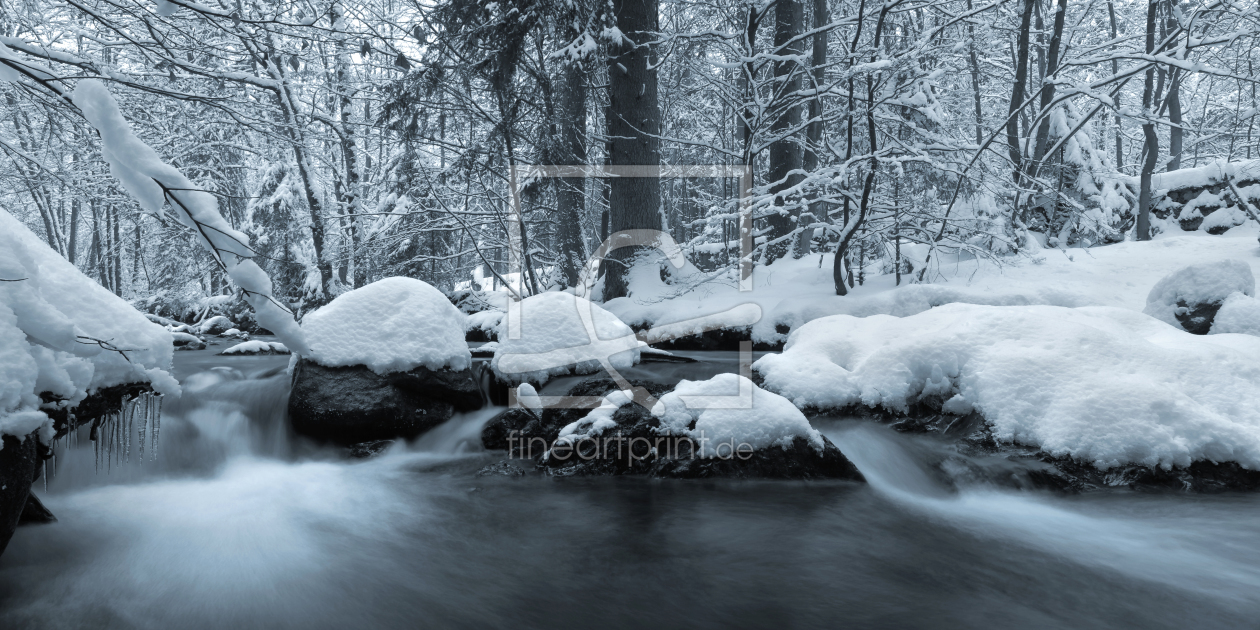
(239, 524)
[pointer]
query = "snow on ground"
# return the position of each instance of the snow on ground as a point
(63, 333)
(1239, 314)
(392, 325)
(792, 292)
(1103, 385)
(257, 346)
(557, 333)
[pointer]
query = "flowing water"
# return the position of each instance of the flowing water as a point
(239, 524)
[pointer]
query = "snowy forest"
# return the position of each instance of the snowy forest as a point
(356, 141)
(563, 313)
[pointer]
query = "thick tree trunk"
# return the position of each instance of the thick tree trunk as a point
(1175, 132)
(633, 126)
(1150, 147)
(785, 150)
(814, 131)
(570, 193)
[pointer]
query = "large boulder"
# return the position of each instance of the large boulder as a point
(1190, 297)
(352, 404)
(770, 439)
(389, 361)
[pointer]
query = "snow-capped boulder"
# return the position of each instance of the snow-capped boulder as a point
(1105, 387)
(559, 333)
(389, 360)
(215, 325)
(257, 347)
(1190, 297)
(747, 432)
(1239, 313)
(70, 351)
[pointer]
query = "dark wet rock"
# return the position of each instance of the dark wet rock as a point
(35, 513)
(349, 405)
(19, 465)
(189, 344)
(365, 450)
(634, 447)
(720, 339)
(505, 468)
(1197, 318)
(648, 356)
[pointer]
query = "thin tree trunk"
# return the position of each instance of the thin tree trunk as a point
(814, 131)
(1150, 147)
(974, 62)
(1047, 88)
(1115, 70)
(1017, 92)
(839, 277)
(1175, 132)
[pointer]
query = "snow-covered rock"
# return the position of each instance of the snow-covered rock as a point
(560, 333)
(1102, 385)
(215, 325)
(63, 333)
(745, 433)
(730, 409)
(257, 347)
(1189, 297)
(1239, 313)
(391, 325)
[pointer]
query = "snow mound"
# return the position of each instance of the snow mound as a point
(1198, 284)
(1239, 314)
(215, 325)
(729, 411)
(257, 347)
(61, 332)
(560, 333)
(391, 325)
(1103, 385)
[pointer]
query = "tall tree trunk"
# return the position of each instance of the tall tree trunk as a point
(974, 62)
(868, 185)
(1150, 147)
(570, 193)
(1115, 69)
(1175, 132)
(1017, 92)
(814, 131)
(1047, 87)
(350, 192)
(71, 246)
(785, 150)
(838, 266)
(633, 126)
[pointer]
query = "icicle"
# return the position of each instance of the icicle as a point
(157, 423)
(144, 423)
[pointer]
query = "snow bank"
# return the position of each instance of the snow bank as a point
(1102, 385)
(391, 325)
(1198, 284)
(792, 292)
(1204, 176)
(257, 347)
(1239, 314)
(739, 413)
(63, 333)
(560, 333)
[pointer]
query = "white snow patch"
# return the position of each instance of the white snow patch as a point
(391, 325)
(1103, 385)
(1198, 284)
(1239, 313)
(257, 346)
(560, 333)
(724, 420)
